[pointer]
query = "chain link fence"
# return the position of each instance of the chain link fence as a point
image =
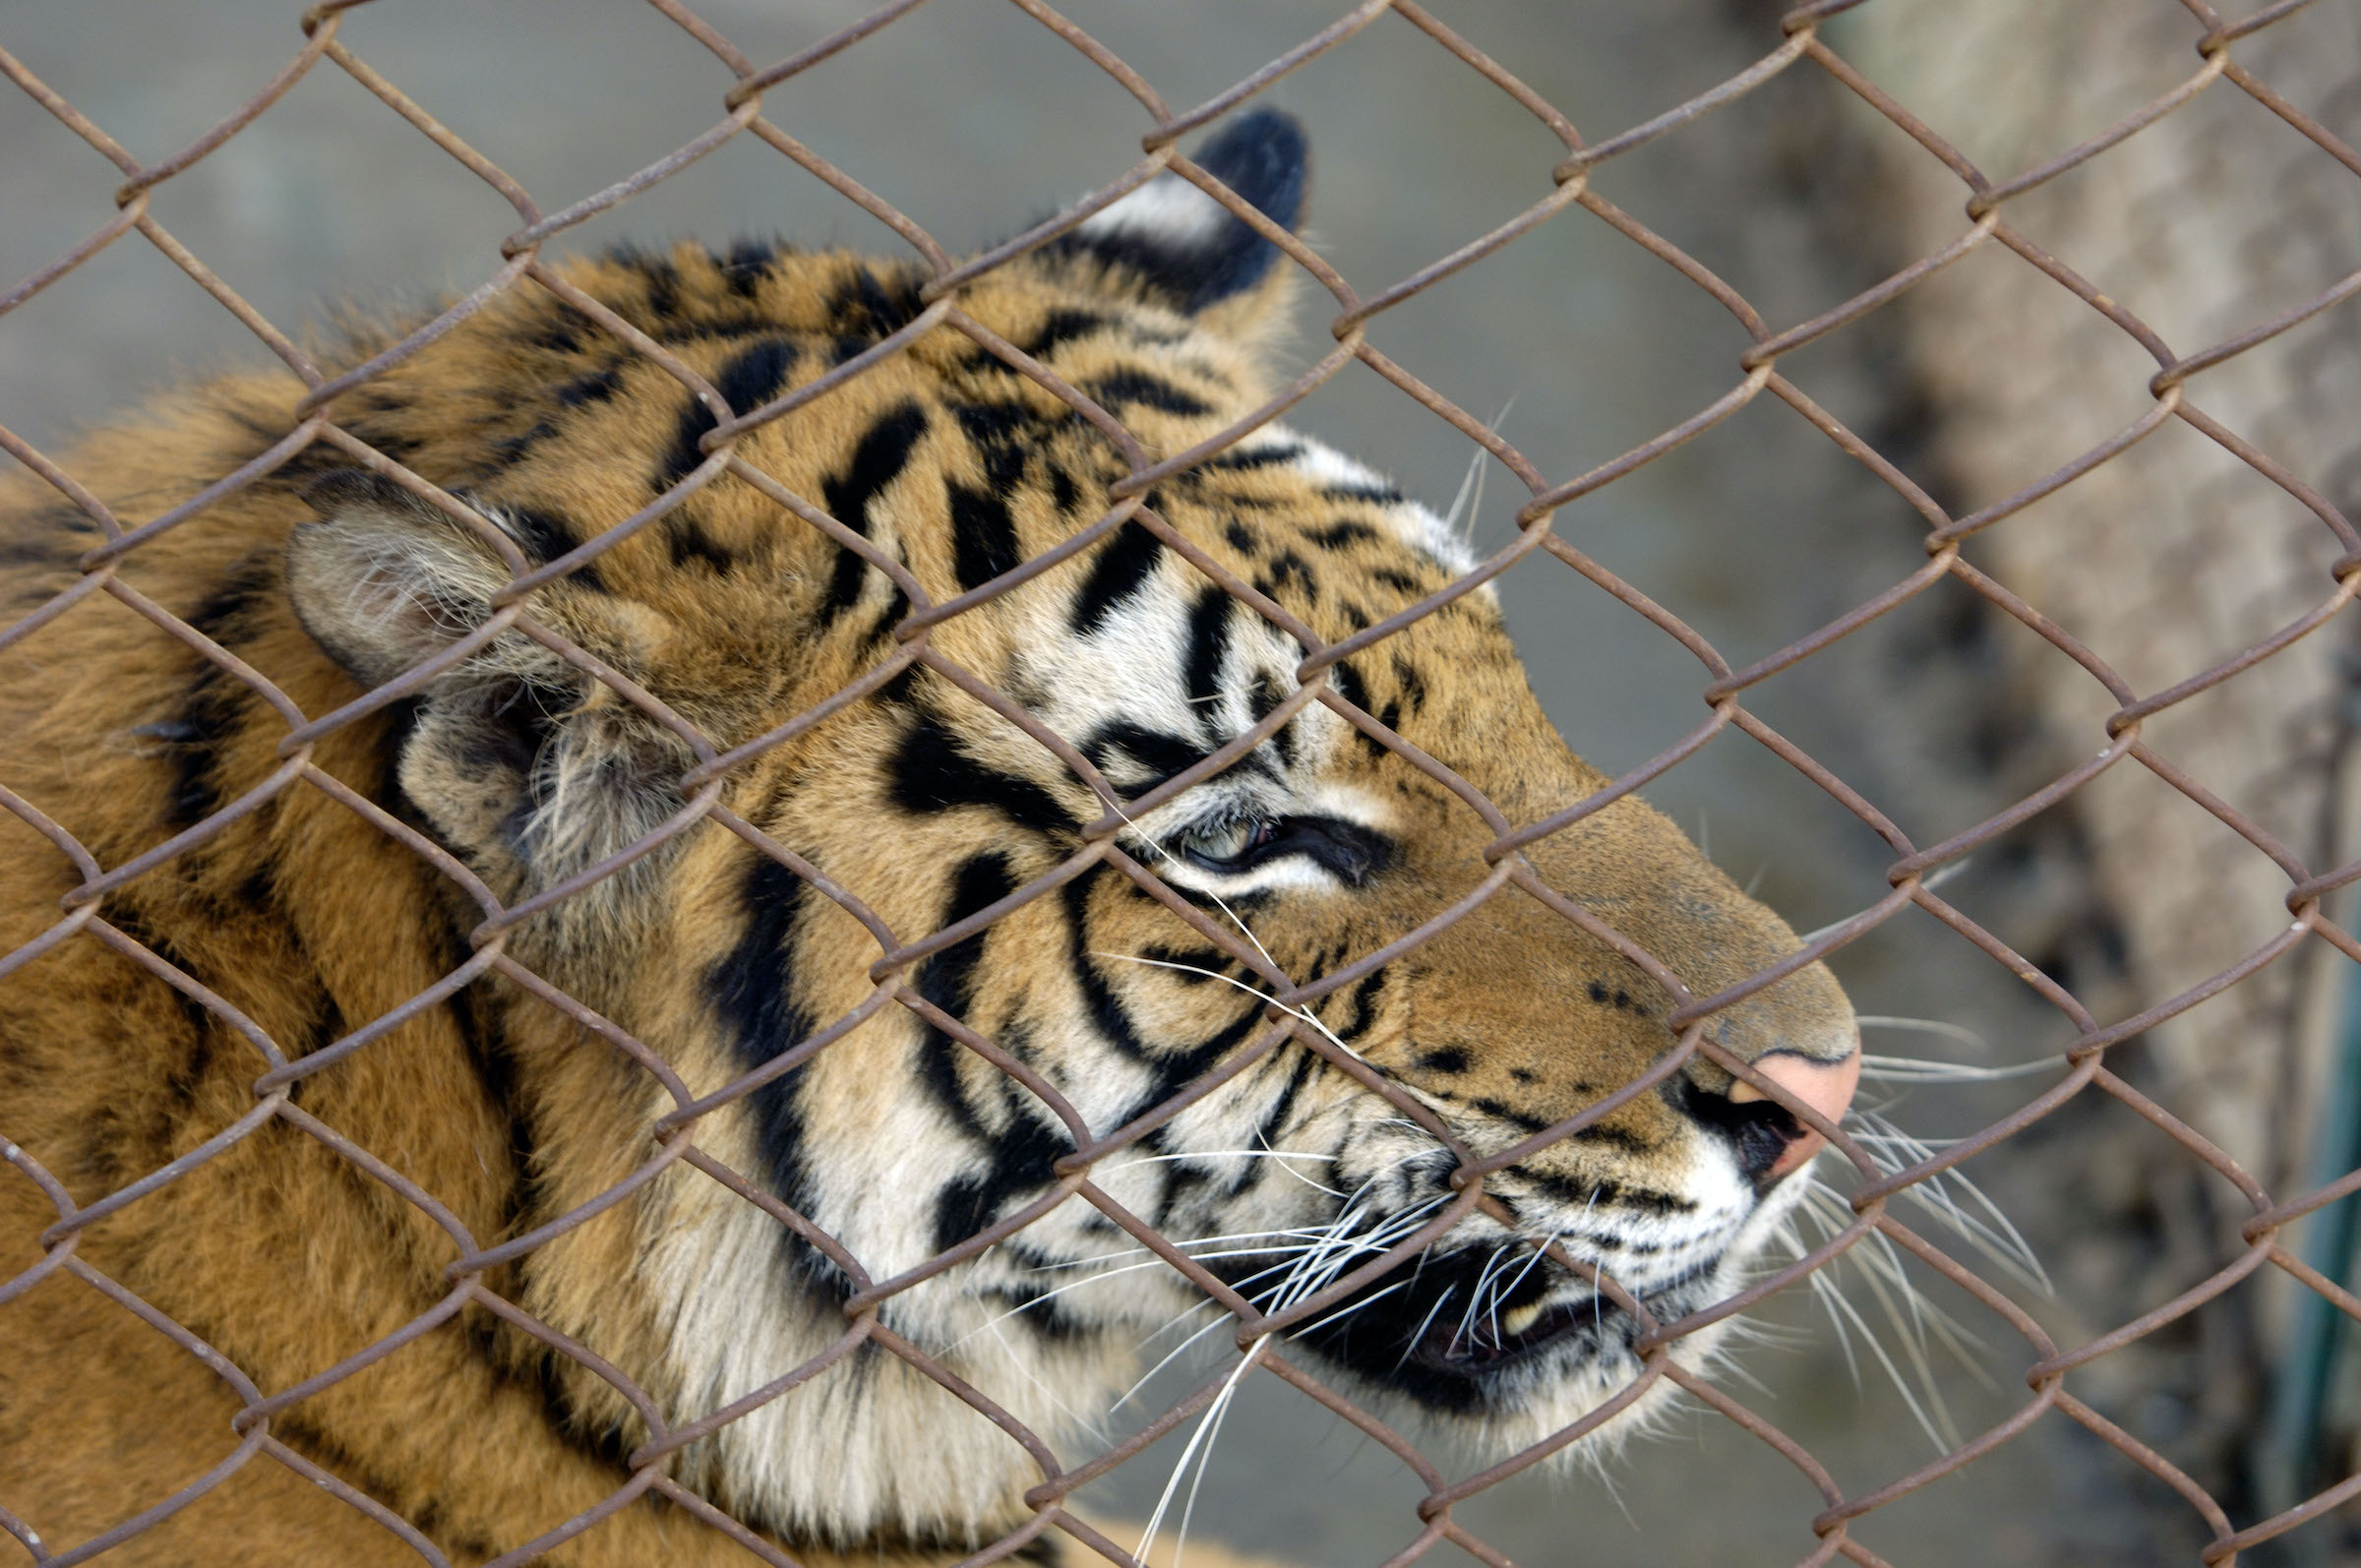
(2016, 578)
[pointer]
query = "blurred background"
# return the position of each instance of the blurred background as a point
(1577, 344)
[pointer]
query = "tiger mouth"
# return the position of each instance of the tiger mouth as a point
(1412, 1329)
(1520, 1331)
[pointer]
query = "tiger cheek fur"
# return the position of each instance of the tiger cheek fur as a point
(1318, 846)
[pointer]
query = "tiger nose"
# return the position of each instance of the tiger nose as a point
(1825, 1086)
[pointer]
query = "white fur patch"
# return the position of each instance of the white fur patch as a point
(1328, 467)
(1412, 523)
(1167, 209)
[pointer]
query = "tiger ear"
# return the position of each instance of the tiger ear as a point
(385, 581)
(523, 763)
(1186, 250)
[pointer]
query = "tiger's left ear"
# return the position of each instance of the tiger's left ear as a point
(1185, 249)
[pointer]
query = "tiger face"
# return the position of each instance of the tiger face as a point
(947, 958)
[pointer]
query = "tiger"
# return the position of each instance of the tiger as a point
(619, 1021)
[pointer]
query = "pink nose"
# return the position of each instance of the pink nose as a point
(1825, 1086)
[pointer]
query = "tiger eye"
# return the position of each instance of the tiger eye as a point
(1230, 841)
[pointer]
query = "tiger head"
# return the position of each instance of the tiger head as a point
(950, 958)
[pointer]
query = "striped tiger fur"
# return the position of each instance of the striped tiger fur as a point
(308, 920)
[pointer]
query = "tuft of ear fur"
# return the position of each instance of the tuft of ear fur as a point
(385, 580)
(524, 765)
(1189, 251)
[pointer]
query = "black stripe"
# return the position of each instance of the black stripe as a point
(209, 714)
(948, 981)
(663, 287)
(1383, 494)
(860, 300)
(1022, 1151)
(1351, 687)
(1517, 1117)
(1566, 1189)
(884, 451)
(982, 536)
(931, 772)
(222, 613)
(1212, 960)
(593, 387)
(209, 717)
(754, 374)
(994, 425)
(1263, 699)
(1119, 387)
(1063, 325)
(1107, 1011)
(752, 990)
(1364, 997)
(1162, 755)
(1273, 1131)
(1208, 648)
(545, 536)
(560, 336)
(689, 540)
(751, 378)
(1286, 567)
(748, 263)
(1037, 1307)
(181, 1081)
(1253, 458)
(1413, 684)
(1338, 534)
(1174, 1066)
(1119, 570)
(514, 449)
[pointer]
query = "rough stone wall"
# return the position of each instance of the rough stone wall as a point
(2174, 555)
(2165, 561)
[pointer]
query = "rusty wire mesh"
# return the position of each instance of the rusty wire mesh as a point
(1799, 45)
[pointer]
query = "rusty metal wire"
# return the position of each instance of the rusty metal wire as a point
(1798, 46)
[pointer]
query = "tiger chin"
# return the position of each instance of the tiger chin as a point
(319, 885)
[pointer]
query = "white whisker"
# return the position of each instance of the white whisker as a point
(1924, 1026)
(1350, 1307)
(1470, 496)
(1930, 883)
(1538, 1253)
(1913, 1069)
(1125, 1396)
(1302, 1013)
(1280, 1155)
(1186, 1242)
(1166, 853)
(1024, 1368)
(1205, 1426)
(1424, 1323)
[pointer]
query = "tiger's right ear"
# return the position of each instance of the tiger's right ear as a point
(385, 581)
(526, 765)
(1183, 249)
